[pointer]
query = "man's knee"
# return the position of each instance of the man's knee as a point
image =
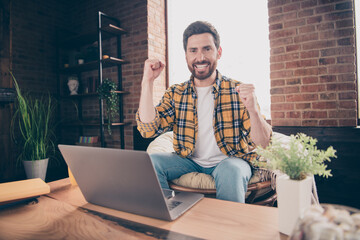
(235, 168)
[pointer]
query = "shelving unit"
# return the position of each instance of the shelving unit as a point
(107, 28)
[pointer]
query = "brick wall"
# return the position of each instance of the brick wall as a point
(157, 42)
(313, 78)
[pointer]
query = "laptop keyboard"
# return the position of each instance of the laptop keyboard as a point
(173, 204)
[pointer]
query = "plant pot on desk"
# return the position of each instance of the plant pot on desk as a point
(36, 168)
(293, 196)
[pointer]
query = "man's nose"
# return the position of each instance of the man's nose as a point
(200, 56)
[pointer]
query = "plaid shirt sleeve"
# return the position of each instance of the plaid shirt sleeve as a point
(164, 119)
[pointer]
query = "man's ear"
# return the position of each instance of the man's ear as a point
(219, 52)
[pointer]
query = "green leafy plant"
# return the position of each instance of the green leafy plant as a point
(34, 117)
(107, 92)
(299, 159)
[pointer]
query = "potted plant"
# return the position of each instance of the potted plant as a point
(299, 161)
(107, 92)
(35, 121)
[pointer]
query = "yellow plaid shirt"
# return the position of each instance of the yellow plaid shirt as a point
(177, 112)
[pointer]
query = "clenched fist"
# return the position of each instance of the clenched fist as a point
(247, 96)
(152, 69)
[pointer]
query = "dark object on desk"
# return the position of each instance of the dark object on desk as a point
(7, 95)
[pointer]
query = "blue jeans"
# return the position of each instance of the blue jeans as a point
(231, 175)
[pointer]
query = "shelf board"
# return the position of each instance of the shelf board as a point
(93, 94)
(81, 95)
(113, 29)
(89, 66)
(109, 31)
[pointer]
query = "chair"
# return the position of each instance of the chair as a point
(261, 190)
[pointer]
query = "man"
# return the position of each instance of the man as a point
(216, 120)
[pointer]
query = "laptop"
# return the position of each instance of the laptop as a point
(124, 180)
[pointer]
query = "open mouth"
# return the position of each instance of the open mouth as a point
(201, 66)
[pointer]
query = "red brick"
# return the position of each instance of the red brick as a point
(307, 29)
(324, 105)
(328, 123)
(294, 81)
(277, 66)
(313, 88)
(309, 71)
(278, 115)
(301, 97)
(345, 59)
(295, 23)
(319, 44)
(328, 78)
(293, 114)
(274, 91)
(348, 104)
(282, 106)
(302, 63)
(277, 99)
(314, 114)
(309, 80)
(341, 69)
(309, 123)
(305, 13)
(281, 74)
(347, 95)
(276, 26)
(285, 122)
(343, 114)
(308, 4)
(276, 83)
(327, 96)
(348, 122)
(291, 48)
(310, 54)
(324, 9)
(282, 33)
(291, 7)
(326, 61)
(294, 89)
(275, 11)
(340, 86)
(312, 20)
(350, 77)
(325, 26)
(302, 106)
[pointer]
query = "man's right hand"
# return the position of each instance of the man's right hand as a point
(152, 69)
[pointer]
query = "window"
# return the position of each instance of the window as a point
(244, 35)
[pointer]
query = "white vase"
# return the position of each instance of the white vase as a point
(293, 198)
(36, 168)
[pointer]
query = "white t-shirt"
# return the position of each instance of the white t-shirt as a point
(206, 152)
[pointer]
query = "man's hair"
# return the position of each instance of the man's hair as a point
(200, 27)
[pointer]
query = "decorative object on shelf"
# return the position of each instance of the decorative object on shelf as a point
(299, 161)
(73, 84)
(34, 117)
(107, 92)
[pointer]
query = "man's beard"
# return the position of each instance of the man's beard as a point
(204, 75)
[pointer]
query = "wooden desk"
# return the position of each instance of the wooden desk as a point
(65, 214)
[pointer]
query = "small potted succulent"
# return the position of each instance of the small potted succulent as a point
(299, 160)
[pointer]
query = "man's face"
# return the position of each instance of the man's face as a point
(202, 55)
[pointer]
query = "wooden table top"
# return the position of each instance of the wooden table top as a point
(65, 214)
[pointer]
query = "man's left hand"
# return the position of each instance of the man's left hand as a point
(247, 96)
